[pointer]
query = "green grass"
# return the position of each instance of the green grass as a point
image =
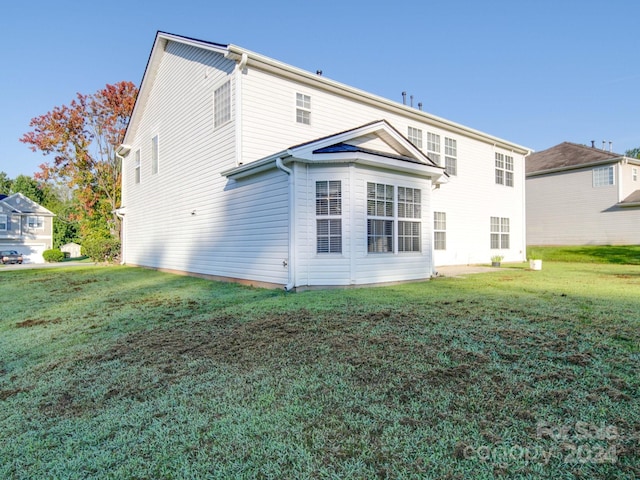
(623, 255)
(116, 372)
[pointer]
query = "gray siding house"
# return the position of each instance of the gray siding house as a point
(25, 226)
(579, 195)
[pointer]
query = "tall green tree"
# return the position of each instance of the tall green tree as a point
(82, 138)
(5, 184)
(633, 153)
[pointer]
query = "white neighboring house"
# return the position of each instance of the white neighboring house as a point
(25, 226)
(579, 195)
(237, 166)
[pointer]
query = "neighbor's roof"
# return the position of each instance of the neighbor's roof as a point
(566, 156)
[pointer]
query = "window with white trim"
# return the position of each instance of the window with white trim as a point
(329, 216)
(451, 156)
(222, 104)
(136, 163)
(603, 176)
(409, 206)
(303, 108)
(35, 223)
(433, 147)
(439, 231)
(504, 169)
(155, 155)
(634, 174)
(3, 223)
(393, 220)
(499, 233)
(379, 218)
(415, 136)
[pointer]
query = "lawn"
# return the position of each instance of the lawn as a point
(622, 254)
(117, 372)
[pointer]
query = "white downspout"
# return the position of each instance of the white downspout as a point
(117, 212)
(292, 232)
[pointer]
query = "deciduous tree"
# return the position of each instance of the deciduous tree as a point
(82, 138)
(633, 153)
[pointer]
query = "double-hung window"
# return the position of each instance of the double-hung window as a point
(380, 218)
(35, 223)
(433, 147)
(329, 216)
(222, 104)
(393, 218)
(3, 223)
(451, 156)
(504, 169)
(415, 136)
(603, 176)
(439, 231)
(137, 166)
(303, 108)
(499, 233)
(634, 174)
(409, 207)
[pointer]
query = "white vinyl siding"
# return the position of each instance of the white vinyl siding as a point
(222, 104)
(328, 213)
(439, 231)
(603, 176)
(303, 109)
(415, 136)
(155, 155)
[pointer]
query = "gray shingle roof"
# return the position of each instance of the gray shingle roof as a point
(567, 155)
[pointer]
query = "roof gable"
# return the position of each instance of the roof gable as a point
(22, 204)
(566, 156)
(352, 146)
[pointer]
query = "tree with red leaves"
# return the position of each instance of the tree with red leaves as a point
(83, 137)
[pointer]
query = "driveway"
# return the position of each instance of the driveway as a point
(28, 266)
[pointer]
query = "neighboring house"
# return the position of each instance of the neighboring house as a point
(25, 226)
(72, 249)
(241, 167)
(579, 195)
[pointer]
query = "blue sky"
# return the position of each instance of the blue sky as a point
(534, 72)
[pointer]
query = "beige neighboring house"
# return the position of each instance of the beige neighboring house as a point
(25, 226)
(580, 195)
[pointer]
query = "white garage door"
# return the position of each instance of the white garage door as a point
(31, 253)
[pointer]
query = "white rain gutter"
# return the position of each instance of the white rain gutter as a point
(292, 232)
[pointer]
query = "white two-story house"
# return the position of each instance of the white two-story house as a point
(237, 166)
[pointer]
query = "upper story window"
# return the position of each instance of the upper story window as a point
(504, 169)
(303, 109)
(222, 104)
(415, 136)
(155, 155)
(451, 156)
(35, 223)
(603, 176)
(634, 174)
(328, 217)
(4, 222)
(136, 163)
(433, 147)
